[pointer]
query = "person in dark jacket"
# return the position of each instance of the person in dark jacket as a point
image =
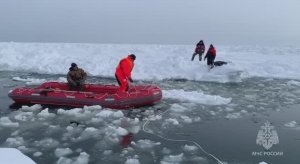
(210, 55)
(199, 50)
(76, 77)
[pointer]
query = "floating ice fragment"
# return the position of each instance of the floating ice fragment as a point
(190, 148)
(59, 152)
(7, 123)
(92, 108)
(83, 158)
(172, 121)
(76, 113)
(196, 119)
(291, 124)
(44, 114)
(293, 82)
(233, 115)
(64, 160)
(107, 152)
(15, 142)
(88, 133)
(227, 109)
(146, 144)
(166, 150)
(31, 108)
(132, 161)
(37, 154)
(172, 159)
(30, 81)
(47, 143)
(121, 131)
(177, 108)
(24, 116)
(62, 79)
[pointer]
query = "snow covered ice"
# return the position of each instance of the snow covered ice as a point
(100, 60)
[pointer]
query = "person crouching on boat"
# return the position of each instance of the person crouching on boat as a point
(123, 72)
(76, 77)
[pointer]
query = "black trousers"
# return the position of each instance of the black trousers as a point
(200, 56)
(76, 84)
(210, 60)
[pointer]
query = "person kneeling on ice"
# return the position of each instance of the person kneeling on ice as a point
(210, 55)
(123, 72)
(76, 77)
(200, 49)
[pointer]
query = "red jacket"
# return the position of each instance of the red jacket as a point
(125, 67)
(212, 52)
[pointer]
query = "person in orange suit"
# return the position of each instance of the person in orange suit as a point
(123, 72)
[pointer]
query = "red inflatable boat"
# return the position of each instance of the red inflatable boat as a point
(54, 93)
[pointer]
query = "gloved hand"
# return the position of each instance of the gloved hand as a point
(130, 79)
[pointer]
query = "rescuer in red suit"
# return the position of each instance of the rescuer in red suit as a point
(123, 72)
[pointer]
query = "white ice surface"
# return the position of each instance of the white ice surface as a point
(171, 121)
(83, 158)
(195, 97)
(14, 156)
(6, 122)
(153, 61)
(132, 161)
(263, 163)
(31, 108)
(172, 159)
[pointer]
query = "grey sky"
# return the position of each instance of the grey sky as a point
(151, 21)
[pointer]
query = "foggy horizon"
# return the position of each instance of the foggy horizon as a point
(151, 22)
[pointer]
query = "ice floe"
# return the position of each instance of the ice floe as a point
(7, 123)
(172, 159)
(14, 156)
(291, 124)
(195, 97)
(146, 144)
(59, 152)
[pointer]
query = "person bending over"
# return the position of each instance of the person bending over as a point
(123, 72)
(210, 55)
